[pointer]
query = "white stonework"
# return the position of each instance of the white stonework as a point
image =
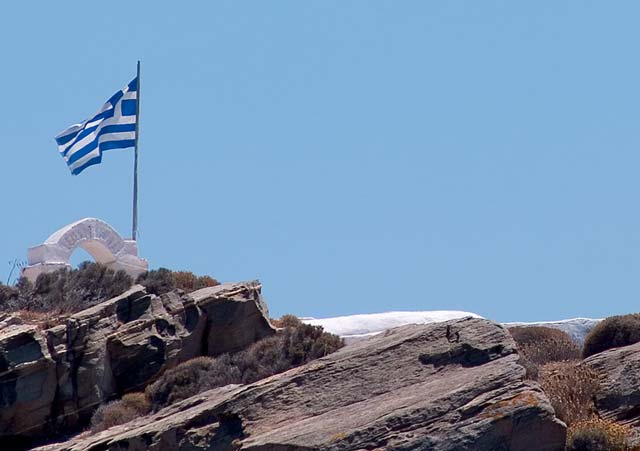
(96, 237)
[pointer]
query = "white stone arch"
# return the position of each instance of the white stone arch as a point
(96, 237)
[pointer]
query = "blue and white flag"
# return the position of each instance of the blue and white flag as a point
(112, 127)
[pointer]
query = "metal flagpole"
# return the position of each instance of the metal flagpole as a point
(134, 231)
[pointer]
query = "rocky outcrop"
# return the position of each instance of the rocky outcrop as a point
(53, 380)
(439, 387)
(619, 396)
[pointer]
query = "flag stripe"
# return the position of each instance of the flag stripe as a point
(123, 144)
(112, 127)
(89, 162)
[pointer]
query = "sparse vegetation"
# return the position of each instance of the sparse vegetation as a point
(137, 402)
(549, 355)
(130, 407)
(542, 345)
(8, 295)
(190, 378)
(68, 291)
(65, 291)
(612, 332)
(286, 321)
(163, 280)
(571, 388)
(539, 345)
(295, 345)
(598, 435)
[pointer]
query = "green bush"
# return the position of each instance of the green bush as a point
(612, 332)
(291, 347)
(65, 291)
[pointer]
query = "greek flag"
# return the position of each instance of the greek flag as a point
(112, 127)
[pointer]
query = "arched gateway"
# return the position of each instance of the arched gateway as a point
(96, 237)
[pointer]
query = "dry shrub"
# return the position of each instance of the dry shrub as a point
(190, 378)
(8, 294)
(571, 388)
(206, 281)
(188, 281)
(291, 347)
(542, 345)
(538, 345)
(112, 414)
(163, 280)
(596, 434)
(612, 332)
(157, 281)
(66, 291)
(532, 370)
(287, 320)
(137, 401)
(130, 407)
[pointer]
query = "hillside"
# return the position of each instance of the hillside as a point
(180, 361)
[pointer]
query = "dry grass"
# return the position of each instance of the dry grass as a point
(571, 388)
(595, 434)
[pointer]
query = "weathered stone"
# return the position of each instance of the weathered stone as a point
(439, 387)
(54, 379)
(7, 320)
(619, 396)
(27, 380)
(232, 325)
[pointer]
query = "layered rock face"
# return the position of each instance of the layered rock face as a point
(439, 387)
(53, 380)
(619, 396)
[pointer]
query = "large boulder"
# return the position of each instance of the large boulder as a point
(618, 398)
(440, 387)
(54, 379)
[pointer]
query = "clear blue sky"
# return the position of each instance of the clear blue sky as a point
(355, 156)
